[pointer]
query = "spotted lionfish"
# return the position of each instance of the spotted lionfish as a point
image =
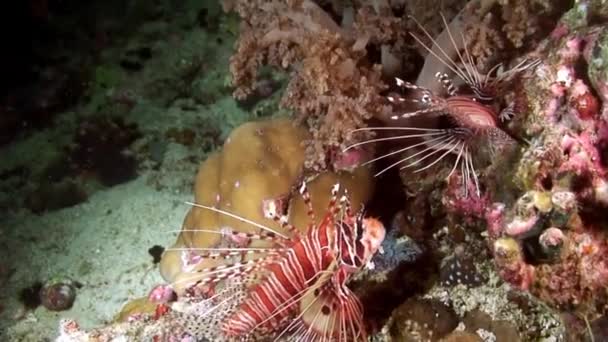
(294, 290)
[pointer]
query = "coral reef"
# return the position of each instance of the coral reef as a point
(494, 307)
(473, 298)
(557, 227)
(544, 226)
(523, 255)
(542, 205)
(74, 114)
(544, 212)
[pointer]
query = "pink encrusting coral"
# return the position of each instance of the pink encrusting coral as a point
(458, 201)
(558, 219)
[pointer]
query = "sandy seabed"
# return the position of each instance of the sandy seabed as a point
(102, 244)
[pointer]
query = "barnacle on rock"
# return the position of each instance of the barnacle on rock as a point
(58, 294)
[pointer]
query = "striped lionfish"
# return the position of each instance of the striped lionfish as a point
(465, 119)
(295, 289)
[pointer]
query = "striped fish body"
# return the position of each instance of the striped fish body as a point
(270, 302)
(295, 290)
(471, 113)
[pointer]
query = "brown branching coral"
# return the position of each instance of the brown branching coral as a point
(275, 33)
(486, 42)
(334, 86)
(495, 27)
(345, 110)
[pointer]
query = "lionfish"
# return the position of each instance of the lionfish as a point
(464, 118)
(294, 290)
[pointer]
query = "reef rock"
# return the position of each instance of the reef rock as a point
(551, 239)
